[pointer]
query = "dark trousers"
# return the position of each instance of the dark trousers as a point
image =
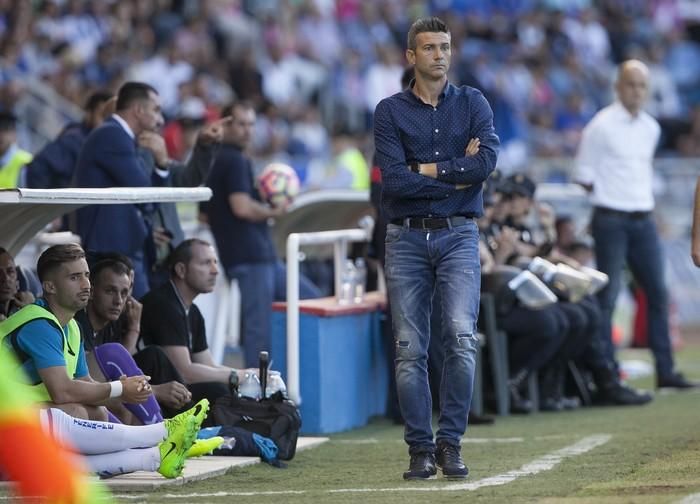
(261, 284)
(534, 336)
(633, 240)
(583, 322)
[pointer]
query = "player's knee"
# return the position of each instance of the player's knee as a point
(74, 409)
(98, 413)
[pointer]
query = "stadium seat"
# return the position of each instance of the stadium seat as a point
(497, 343)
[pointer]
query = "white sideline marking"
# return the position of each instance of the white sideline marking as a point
(465, 440)
(492, 440)
(690, 499)
(544, 463)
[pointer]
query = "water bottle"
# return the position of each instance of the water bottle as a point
(275, 383)
(250, 386)
(347, 284)
(361, 279)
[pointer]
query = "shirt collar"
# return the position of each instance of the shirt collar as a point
(446, 91)
(124, 125)
(625, 114)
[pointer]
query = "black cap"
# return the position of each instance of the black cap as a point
(522, 185)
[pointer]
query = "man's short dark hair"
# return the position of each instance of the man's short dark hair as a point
(96, 99)
(53, 257)
(183, 253)
(239, 104)
(132, 92)
(424, 25)
(94, 257)
(113, 265)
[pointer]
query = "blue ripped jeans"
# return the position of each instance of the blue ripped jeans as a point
(418, 263)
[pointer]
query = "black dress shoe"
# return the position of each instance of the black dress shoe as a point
(449, 459)
(421, 467)
(675, 380)
(617, 394)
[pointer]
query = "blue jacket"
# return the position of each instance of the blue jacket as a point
(109, 158)
(53, 166)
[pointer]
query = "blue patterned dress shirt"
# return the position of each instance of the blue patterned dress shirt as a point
(408, 130)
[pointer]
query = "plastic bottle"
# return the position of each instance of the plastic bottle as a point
(275, 383)
(361, 279)
(250, 386)
(347, 284)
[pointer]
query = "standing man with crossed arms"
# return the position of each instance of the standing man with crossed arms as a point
(435, 145)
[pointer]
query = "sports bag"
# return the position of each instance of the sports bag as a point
(275, 417)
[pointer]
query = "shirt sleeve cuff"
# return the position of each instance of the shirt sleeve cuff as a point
(162, 173)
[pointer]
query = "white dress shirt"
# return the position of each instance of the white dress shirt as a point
(615, 157)
(124, 125)
(159, 171)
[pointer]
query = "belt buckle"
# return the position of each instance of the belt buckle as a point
(423, 221)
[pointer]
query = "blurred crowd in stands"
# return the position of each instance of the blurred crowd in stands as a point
(315, 69)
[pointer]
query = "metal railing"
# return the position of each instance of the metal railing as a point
(43, 113)
(340, 239)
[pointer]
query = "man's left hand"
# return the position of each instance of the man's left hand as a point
(213, 132)
(133, 314)
(161, 236)
(156, 144)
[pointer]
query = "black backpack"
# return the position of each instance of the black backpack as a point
(275, 417)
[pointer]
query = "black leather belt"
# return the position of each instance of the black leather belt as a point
(432, 222)
(622, 213)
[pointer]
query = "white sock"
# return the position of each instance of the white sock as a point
(111, 464)
(90, 437)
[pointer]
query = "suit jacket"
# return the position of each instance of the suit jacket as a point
(109, 158)
(54, 166)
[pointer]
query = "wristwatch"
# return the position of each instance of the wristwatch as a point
(415, 167)
(233, 381)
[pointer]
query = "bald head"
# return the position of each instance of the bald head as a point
(632, 85)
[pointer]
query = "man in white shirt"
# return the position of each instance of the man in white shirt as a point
(614, 164)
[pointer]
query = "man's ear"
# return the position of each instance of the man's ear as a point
(411, 56)
(180, 270)
(48, 287)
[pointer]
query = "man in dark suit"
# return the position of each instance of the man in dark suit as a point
(109, 158)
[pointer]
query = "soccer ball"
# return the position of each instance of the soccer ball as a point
(278, 184)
